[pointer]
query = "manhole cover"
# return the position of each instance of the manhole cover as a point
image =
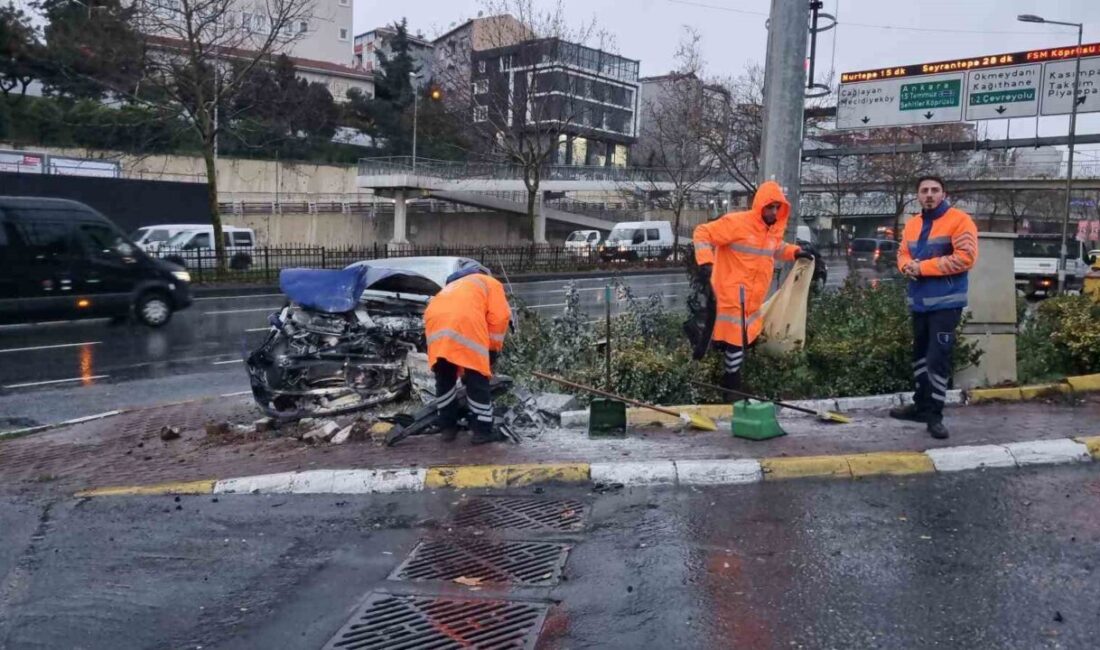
(533, 564)
(390, 622)
(522, 513)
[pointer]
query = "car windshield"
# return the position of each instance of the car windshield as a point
(150, 235)
(863, 245)
(179, 239)
(576, 236)
(1037, 247)
(621, 234)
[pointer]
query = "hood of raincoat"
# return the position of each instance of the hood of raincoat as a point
(770, 192)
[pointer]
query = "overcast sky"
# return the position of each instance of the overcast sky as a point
(871, 33)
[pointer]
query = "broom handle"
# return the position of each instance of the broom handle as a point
(602, 393)
(755, 397)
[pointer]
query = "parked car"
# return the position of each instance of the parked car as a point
(879, 254)
(194, 248)
(151, 238)
(638, 240)
(580, 242)
(63, 260)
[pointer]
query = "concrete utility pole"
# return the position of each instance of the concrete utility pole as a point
(784, 99)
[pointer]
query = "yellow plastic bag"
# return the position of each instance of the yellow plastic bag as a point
(784, 313)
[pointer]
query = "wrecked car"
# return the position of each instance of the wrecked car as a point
(342, 342)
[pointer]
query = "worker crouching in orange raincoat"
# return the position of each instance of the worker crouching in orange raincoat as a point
(465, 324)
(737, 252)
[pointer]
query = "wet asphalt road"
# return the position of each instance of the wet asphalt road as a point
(994, 559)
(57, 371)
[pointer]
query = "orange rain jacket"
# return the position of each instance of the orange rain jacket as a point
(466, 320)
(743, 250)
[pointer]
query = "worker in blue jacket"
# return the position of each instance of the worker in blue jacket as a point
(939, 246)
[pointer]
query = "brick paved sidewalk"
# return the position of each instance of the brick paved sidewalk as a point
(127, 449)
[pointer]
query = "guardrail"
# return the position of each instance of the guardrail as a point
(456, 170)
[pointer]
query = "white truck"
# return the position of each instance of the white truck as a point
(1036, 264)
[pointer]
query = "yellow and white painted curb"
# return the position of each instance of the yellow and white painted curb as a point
(656, 472)
(1079, 384)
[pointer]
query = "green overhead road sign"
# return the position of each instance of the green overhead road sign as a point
(931, 94)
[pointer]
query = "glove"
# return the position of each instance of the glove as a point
(804, 254)
(704, 272)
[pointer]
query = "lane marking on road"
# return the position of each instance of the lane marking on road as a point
(20, 326)
(222, 363)
(64, 423)
(259, 329)
(557, 304)
(239, 311)
(51, 347)
(237, 394)
(245, 297)
(55, 381)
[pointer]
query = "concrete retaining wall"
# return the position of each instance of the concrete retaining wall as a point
(365, 229)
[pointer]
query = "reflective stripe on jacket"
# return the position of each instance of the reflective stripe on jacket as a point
(467, 320)
(744, 251)
(947, 252)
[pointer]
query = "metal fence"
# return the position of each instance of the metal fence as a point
(262, 264)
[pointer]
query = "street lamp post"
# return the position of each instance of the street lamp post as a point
(416, 109)
(1064, 260)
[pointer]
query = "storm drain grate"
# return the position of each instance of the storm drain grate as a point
(534, 564)
(390, 622)
(522, 513)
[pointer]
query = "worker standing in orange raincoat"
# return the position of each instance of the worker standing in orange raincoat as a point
(465, 324)
(738, 250)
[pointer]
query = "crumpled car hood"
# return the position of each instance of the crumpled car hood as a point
(336, 291)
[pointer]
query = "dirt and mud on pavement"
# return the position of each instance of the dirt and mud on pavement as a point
(229, 437)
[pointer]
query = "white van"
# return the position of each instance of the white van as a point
(579, 242)
(194, 248)
(151, 238)
(638, 240)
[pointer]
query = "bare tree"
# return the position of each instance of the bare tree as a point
(199, 55)
(734, 126)
(836, 174)
(520, 114)
(671, 151)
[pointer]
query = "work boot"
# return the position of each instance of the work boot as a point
(485, 437)
(937, 430)
(910, 412)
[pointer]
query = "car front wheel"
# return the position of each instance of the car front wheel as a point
(153, 309)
